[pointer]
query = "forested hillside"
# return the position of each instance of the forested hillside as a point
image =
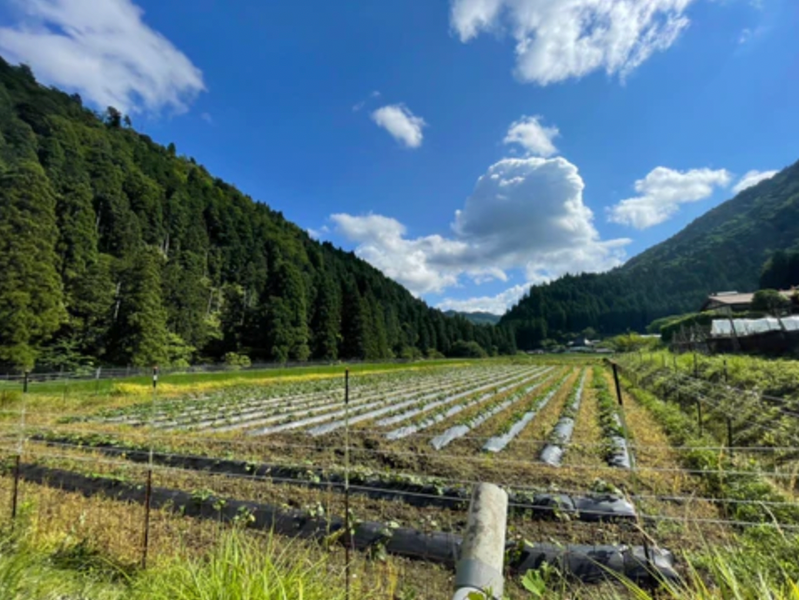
(114, 249)
(724, 249)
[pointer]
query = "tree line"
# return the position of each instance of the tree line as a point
(115, 250)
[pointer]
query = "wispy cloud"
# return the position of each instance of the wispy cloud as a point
(751, 179)
(359, 105)
(661, 193)
(104, 51)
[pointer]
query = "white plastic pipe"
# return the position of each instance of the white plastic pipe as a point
(479, 570)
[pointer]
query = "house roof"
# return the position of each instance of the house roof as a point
(736, 298)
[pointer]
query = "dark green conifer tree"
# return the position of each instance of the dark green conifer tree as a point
(31, 295)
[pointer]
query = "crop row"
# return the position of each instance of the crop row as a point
(472, 421)
(495, 396)
(388, 407)
(518, 421)
(222, 413)
(561, 434)
(249, 396)
(617, 452)
(286, 414)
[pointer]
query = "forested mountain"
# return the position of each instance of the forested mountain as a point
(477, 317)
(114, 249)
(725, 249)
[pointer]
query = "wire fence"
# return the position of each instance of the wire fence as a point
(90, 373)
(205, 490)
(138, 505)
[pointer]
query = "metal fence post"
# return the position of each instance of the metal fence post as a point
(17, 460)
(699, 416)
(729, 436)
(347, 524)
(16, 488)
(616, 381)
(149, 489)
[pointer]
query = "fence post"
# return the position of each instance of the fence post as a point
(17, 460)
(696, 367)
(479, 570)
(16, 488)
(616, 381)
(699, 416)
(347, 524)
(25, 383)
(149, 488)
(729, 436)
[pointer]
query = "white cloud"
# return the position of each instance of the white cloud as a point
(535, 138)
(207, 118)
(752, 178)
(412, 262)
(524, 213)
(104, 51)
(497, 304)
(561, 39)
(401, 123)
(661, 193)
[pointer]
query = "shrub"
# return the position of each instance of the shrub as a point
(461, 349)
(237, 361)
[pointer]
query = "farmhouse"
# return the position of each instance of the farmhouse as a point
(725, 302)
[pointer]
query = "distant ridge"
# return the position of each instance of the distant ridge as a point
(476, 317)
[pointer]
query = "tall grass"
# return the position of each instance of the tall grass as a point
(28, 575)
(240, 567)
(243, 568)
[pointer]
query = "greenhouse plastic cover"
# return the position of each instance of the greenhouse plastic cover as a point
(744, 327)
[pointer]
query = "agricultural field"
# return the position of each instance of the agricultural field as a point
(398, 450)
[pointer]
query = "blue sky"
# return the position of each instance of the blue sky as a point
(467, 148)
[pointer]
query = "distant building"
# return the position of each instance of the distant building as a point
(725, 302)
(581, 344)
